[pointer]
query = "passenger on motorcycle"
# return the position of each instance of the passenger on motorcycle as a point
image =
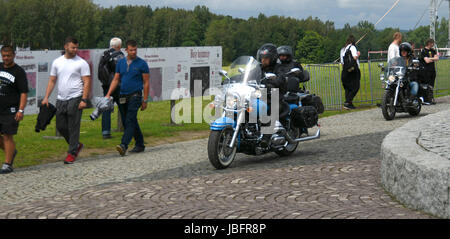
(406, 53)
(287, 63)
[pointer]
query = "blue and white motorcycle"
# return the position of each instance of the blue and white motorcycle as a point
(243, 124)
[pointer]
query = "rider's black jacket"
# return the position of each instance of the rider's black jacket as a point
(292, 83)
(274, 83)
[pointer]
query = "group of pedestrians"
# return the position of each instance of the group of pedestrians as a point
(351, 74)
(128, 85)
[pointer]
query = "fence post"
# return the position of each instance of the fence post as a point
(370, 80)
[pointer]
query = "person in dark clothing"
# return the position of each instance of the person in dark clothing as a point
(428, 56)
(285, 55)
(268, 57)
(351, 75)
(106, 71)
(13, 99)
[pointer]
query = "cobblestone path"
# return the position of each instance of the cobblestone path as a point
(334, 177)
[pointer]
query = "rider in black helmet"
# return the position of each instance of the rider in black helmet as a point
(268, 57)
(406, 52)
(285, 55)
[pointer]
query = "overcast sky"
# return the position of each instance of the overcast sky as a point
(404, 16)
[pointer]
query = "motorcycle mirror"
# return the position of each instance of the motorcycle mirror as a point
(223, 73)
(242, 71)
(381, 65)
(270, 76)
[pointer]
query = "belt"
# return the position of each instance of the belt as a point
(137, 93)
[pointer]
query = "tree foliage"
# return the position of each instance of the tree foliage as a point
(44, 24)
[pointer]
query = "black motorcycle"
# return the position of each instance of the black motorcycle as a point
(397, 96)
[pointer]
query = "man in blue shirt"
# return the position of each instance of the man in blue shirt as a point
(132, 73)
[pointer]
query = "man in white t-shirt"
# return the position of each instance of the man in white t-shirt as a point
(74, 84)
(393, 50)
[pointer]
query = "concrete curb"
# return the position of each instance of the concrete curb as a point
(415, 176)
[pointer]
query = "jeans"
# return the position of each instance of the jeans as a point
(128, 112)
(106, 115)
(414, 88)
(106, 123)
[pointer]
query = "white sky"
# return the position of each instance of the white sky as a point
(404, 16)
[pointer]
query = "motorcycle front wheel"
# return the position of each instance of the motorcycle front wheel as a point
(220, 155)
(387, 105)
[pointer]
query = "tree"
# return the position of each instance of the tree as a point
(310, 49)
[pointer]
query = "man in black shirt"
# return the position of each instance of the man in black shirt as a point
(13, 99)
(428, 57)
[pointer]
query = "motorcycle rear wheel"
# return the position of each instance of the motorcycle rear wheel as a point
(220, 155)
(290, 148)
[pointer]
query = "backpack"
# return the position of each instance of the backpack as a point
(349, 62)
(106, 67)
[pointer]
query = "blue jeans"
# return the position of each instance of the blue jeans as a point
(106, 115)
(129, 111)
(106, 122)
(414, 88)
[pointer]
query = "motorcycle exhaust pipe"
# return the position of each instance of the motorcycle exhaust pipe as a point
(293, 141)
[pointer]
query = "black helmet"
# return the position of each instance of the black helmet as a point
(267, 50)
(285, 50)
(405, 46)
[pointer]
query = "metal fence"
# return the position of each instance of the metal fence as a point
(326, 82)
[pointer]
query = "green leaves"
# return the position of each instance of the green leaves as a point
(44, 24)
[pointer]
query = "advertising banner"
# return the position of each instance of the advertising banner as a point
(173, 69)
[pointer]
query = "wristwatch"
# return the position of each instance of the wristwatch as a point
(21, 111)
(84, 100)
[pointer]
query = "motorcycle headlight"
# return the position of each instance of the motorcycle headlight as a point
(218, 100)
(391, 79)
(257, 94)
(232, 100)
(382, 77)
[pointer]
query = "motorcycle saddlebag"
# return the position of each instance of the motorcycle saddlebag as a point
(304, 117)
(314, 100)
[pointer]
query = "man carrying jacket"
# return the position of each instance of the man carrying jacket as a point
(106, 71)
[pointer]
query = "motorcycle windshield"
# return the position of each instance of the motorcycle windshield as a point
(396, 65)
(245, 69)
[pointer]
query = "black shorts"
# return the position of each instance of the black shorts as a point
(8, 124)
